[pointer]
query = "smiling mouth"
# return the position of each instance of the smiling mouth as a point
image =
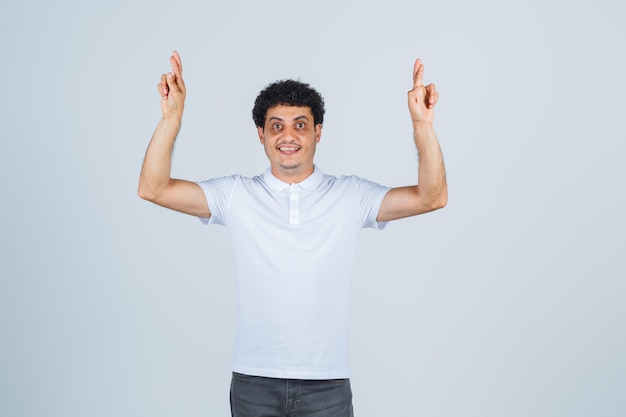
(288, 149)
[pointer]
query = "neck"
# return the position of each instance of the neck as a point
(292, 176)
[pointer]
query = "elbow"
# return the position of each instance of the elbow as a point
(433, 197)
(149, 189)
(443, 200)
(146, 193)
(442, 196)
(437, 205)
(440, 200)
(143, 194)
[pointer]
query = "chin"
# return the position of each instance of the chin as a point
(289, 166)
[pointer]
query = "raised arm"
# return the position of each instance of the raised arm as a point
(155, 183)
(431, 191)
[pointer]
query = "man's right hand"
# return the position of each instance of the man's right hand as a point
(155, 182)
(172, 89)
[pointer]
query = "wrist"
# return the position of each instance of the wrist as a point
(422, 127)
(171, 120)
(168, 127)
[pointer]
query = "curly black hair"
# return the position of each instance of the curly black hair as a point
(291, 93)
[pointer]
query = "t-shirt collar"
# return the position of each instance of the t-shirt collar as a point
(310, 183)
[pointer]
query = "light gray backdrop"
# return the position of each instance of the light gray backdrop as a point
(509, 302)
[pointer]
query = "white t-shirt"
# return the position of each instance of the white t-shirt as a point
(294, 248)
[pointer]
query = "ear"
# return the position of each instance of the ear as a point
(318, 132)
(261, 136)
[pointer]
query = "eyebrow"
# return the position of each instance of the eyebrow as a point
(294, 119)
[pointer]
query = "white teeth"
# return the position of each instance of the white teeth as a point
(288, 149)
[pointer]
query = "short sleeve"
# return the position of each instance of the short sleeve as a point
(371, 196)
(218, 193)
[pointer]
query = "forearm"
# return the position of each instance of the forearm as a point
(431, 175)
(155, 172)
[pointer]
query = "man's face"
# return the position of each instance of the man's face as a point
(289, 137)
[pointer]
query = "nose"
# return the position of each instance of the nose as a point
(289, 134)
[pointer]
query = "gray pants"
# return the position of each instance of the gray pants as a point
(254, 396)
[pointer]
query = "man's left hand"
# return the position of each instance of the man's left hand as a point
(422, 99)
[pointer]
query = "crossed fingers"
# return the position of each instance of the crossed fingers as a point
(430, 92)
(173, 79)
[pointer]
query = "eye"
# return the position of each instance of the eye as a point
(276, 126)
(300, 125)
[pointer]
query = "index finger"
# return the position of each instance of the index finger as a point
(418, 73)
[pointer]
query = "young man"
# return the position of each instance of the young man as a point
(294, 232)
